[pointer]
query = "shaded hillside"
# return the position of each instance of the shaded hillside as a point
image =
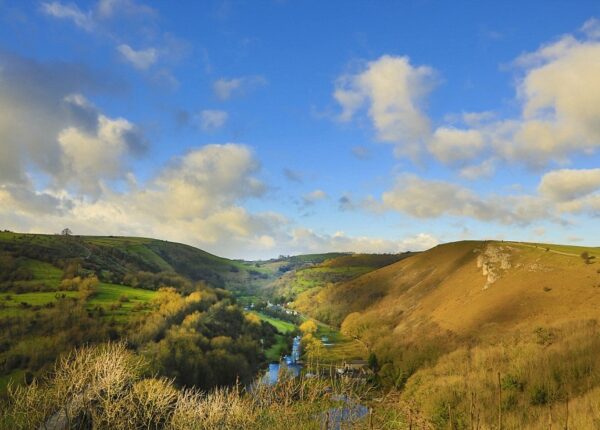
(113, 258)
(301, 273)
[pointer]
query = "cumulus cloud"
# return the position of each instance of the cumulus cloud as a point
(484, 169)
(225, 88)
(140, 59)
(451, 145)
(559, 192)
(558, 91)
(212, 180)
(37, 102)
(569, 184)
(307, 241)
(394, 91)
(560, 95)
(90, 157)
(211, 120)
(422, 198)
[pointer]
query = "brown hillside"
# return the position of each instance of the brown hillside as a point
(467, 289)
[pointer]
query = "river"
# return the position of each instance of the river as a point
(292, 363)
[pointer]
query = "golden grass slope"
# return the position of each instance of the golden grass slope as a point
(467, 289)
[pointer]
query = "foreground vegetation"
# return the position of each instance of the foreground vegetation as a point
(109, 387)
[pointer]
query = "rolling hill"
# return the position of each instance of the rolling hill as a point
(112, 258)
(465, 288)
(457, 324)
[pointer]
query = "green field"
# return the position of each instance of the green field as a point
(282, 327)
(120, 301)
(117, 300)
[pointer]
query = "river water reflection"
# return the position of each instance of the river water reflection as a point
(292, 364)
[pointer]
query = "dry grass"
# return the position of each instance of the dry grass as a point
(106, 387)
(539, 374)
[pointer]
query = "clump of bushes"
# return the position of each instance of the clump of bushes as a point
(109, 387)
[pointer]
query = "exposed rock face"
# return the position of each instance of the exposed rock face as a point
(493, 261)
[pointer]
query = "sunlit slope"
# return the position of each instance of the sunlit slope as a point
(468, 288)
(311, 276)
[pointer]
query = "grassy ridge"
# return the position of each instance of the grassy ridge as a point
(445, 322)
(111, 258)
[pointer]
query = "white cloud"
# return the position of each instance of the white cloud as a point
(559, 95)
(564, 191)
(40, 102)
(394, 91)
(211, 120)
(307, 241)
(423, 198)
(89, 158)
(109, 8)
(561, 103)
(225, 88)
(569, 184)
(591, 28)
(451, 145)
(70, 12)
(558, 90)
(483, 170)
(212, 180)
(140, 59)
(91, 19)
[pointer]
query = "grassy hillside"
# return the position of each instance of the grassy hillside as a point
(60, 292)
(302, 273)
(112, 258)
(446, 322)
(464, 286)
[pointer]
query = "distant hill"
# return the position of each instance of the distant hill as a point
(113, 258)
(302, 273)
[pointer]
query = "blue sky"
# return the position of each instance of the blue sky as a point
(252, 129)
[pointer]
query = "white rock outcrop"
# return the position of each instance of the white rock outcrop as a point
(493, 261)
